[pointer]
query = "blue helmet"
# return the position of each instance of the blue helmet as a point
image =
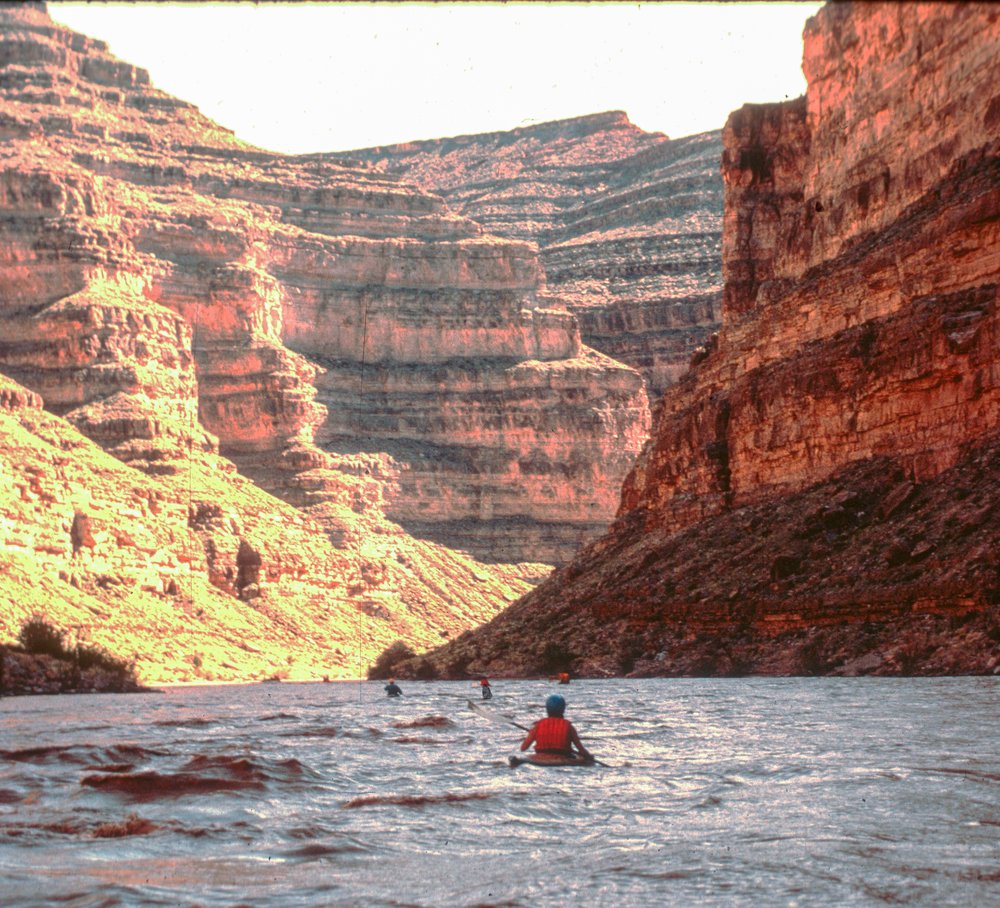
(555, 705)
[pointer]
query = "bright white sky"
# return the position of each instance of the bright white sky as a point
(302, 77)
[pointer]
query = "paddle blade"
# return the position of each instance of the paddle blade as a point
(496, 718)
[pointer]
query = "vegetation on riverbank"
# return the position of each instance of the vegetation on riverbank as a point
(42, 662)
(399, 653)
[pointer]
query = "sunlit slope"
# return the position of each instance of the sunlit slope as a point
(203, 576)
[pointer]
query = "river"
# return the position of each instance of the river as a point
(795, 792)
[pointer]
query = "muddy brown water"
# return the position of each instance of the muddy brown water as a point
(719, 792)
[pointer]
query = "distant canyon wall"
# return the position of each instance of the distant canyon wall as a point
(168, 288)
(628, 224)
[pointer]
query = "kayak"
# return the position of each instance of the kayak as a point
(548, 760)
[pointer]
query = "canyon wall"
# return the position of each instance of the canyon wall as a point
(168, 288)
(228, 376)
(628, 224)
(861, 255)
(819, 493)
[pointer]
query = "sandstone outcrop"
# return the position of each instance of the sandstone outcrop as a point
(820, 492)
(169, 289)
(628, 224)
(862, 259)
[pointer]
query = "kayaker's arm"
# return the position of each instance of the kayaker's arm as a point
(529, 739)
(575, 740)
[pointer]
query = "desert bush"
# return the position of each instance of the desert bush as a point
(41, 638)
(425, 670)
(393, 654)
(813, 657)
(631, 647)
(556, 658)
(99, 657)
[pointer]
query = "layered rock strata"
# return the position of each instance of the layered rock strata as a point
(862, 260)
(169, 289)
(628, 224)
(827, 475)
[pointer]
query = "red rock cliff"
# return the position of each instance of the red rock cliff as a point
(628, 224)
(167, 287)
(861, 258)
(820, 492)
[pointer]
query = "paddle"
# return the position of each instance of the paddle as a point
(494, 717)
(500, 718)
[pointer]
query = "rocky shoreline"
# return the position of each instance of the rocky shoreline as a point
(867, 573)
(24, 673)
(917, 646)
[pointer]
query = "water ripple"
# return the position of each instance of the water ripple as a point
(738, 792)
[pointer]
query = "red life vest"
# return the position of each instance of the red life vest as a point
(552, 733)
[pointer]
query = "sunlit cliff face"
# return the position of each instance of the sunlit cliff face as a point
(628, 224)
(203, 576)
(232, 367)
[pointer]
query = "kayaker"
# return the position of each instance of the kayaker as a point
(484, 686)
(392, 689)
(554, 734)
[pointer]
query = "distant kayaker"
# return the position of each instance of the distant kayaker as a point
(564, 677)
(392, 689)
(554, 734)
(484, 686)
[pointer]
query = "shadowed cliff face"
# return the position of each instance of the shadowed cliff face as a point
(628, 224)
(866, 573)
(168, 288)
(822, 485)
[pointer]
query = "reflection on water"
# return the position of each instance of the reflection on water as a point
(736, 792)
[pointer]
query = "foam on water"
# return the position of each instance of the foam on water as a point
(736, 792)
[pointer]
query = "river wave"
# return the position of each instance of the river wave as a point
(714, 792)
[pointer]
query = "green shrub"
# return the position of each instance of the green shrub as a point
(425, 670)
(556, 658)
(39, 637)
